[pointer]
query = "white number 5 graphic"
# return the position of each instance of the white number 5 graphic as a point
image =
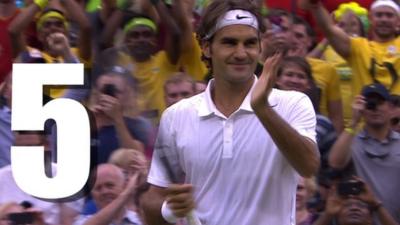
(73, 131)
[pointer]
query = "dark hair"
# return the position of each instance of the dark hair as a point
(217, 8)
(298, 61)
(279, 13)
(121, 72)
(314, 93)
(296, 20)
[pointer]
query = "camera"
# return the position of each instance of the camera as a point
(21, 218)
(350, 187)
(109, 89)
(371, 104)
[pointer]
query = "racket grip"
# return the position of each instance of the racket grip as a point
(192, 218)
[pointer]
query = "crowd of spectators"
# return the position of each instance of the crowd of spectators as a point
(142, 56)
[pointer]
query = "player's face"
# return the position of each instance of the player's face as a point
(234, 53)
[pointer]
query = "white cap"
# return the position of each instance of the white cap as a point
(388, 3)
(234, 17)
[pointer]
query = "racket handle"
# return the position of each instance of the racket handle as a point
(192, 218)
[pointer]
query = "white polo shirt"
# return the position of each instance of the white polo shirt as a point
(239, 175)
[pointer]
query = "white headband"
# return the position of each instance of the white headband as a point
(234, 17)
(388, 3)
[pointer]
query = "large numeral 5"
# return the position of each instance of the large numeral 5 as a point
(73, 131)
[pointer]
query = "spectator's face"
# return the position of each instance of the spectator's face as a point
(50, 26)
(109, 184)
(301, 41)
(379, 116)
(293, 78)
(234, 53)
(354, 212)
(277, 38)
(116, 81)
(350, 24)
(384, 21)
(174, 92)
(142, 42)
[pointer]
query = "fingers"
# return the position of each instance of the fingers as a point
(180, 199)
(273, 61)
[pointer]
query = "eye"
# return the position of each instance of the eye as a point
(228, 41)
(251, 43)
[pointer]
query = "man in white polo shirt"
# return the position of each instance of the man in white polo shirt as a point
(238, 148)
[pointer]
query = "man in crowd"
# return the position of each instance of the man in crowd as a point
(178, 87)
(374, 152)
(111, 195)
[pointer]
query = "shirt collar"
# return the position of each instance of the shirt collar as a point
(207, 106)
(392, 135)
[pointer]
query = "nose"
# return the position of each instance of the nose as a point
(240, 51)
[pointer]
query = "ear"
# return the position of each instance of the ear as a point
(206, 47)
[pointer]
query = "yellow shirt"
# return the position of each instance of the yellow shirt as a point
(59, 90)
(345, 76)
(152, 74)
(361, 53)
(327, 80)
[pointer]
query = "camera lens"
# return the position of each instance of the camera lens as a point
(371, 104)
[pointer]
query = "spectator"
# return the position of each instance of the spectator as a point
(371, 61)
(178, 87)
(354, 209)
(372, 151)
(112, 194)
(114, 93)
(353, 20)
(52, 26)
(236, 127)
(150, 67)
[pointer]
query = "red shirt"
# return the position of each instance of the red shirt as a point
(5, 46)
